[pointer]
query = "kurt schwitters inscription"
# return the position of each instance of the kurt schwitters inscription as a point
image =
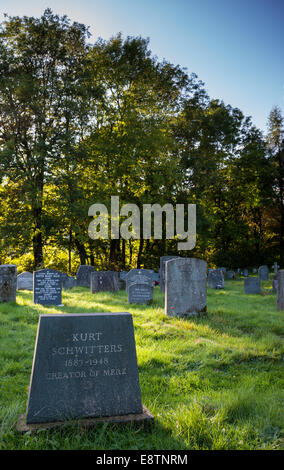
(84, 366)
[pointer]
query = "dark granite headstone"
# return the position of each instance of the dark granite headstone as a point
(47, 287)
(83, 275)
(8, 282)
(104, 281)
(138, 276)
(163, 260)
(185, 292)
(263, 273)
(84, 366)
(25, 281)
(140, 293)
(280, 290)
(215, 279)
(252, 285)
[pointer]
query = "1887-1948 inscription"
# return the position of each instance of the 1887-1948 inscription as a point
(84, 365)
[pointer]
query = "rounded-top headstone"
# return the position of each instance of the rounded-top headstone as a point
(263, 273)
(8, 282)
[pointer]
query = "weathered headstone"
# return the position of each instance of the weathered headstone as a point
(83, 275)
(185, 287)
(280, 290)
(254, 270)
(245, 273)
(252, 285)
(275, 283)
(25, 281)
(104, 281)
(230, 275)
(163, 260)
(8, 282)
(263, 273)
(47, 287)
(68, 282)
(84, 366)
(215, 279)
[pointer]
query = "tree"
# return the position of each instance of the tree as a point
(43, 99)
(275, 143)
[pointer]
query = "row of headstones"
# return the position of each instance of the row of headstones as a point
(47, 284)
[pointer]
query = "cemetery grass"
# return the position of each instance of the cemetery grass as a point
(212, 382)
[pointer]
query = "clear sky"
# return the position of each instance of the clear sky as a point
(236, 47)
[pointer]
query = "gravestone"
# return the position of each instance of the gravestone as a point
(185, 287)
(25, 281)
(139, 276)
(254, 270)
(47, 287)
(104, 281)
(140, 293)
(263, 273)
(275, 268)
(230, 275)
(8, 282)
(68, 282)
(83, 275)
(275, 283)
(163, 260)
(252, 285)
(215, 279)
(139, 286)
(122, 275)
(84, 366)
(280, 290)
(245, 273)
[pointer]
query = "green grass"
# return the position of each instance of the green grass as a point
(213, 382)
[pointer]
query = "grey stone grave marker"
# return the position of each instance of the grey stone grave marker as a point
(275, 283)
(163, 260)
(185, 288)
(263, 273)
(280, 290)
(8, 282)
(230, 275)
(139, 276)
(245, 273)
(104, 281)
(139, 286)
(215, 279)
(68, 282)
(47, 287)
(84, 366)
(25, 281)
(252, 285)
(83, 275)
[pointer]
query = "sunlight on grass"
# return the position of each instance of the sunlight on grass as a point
(212, 382)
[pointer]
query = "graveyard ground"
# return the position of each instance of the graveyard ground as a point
(214, 382)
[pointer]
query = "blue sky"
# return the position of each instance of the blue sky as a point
(236, 47)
